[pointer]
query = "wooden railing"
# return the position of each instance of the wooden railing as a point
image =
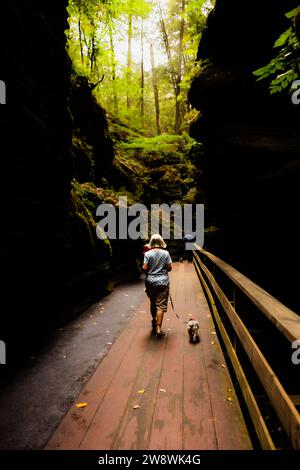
(284, 320)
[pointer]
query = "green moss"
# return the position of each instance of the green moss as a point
(154, 169)
(120, 132)
(84, 199)
(164, 145)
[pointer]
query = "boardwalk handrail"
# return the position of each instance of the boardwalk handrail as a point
(284, 319)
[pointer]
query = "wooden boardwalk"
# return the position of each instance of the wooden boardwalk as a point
(189, 400)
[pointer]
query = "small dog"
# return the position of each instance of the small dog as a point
(193, 328)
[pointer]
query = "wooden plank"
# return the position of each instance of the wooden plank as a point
(226, 413)
(103, 429)
(134, 430)
(256, 416)
(166, 432)
(283, 405)
(285, 320)
(198, 420)
(75, 423)
(190, 414)
(223, 414)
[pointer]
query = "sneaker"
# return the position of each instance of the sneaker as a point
(160, 334)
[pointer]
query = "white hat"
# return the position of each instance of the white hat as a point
(157, 241)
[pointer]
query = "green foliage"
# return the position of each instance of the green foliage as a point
(159, 150)
(158, 169)
(120, 132)
(285, 67)
(94, 27)
(99, 33)
(163, 144)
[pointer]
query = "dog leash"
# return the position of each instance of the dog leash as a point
(173, 308)
(172, 303)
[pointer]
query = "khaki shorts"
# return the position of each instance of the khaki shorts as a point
(158, 296)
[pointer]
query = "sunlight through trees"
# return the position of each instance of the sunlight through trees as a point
(141, 55)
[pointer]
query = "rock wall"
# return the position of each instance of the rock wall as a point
(252, 146)
(51, 261)
(93, 151)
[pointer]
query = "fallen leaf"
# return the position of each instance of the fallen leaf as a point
(81, 405)
(142, 391)
(136, 407)
(162, 390)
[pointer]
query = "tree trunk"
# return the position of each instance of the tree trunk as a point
(155, 89)
(167, 47)
(142, 72)
(88, 46)
(174, 74)
(178, 114)
(129, 61)
(80, 36)
(113, 68)
(94, 52)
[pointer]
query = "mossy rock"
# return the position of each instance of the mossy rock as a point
(84, 241)
(83, 155)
